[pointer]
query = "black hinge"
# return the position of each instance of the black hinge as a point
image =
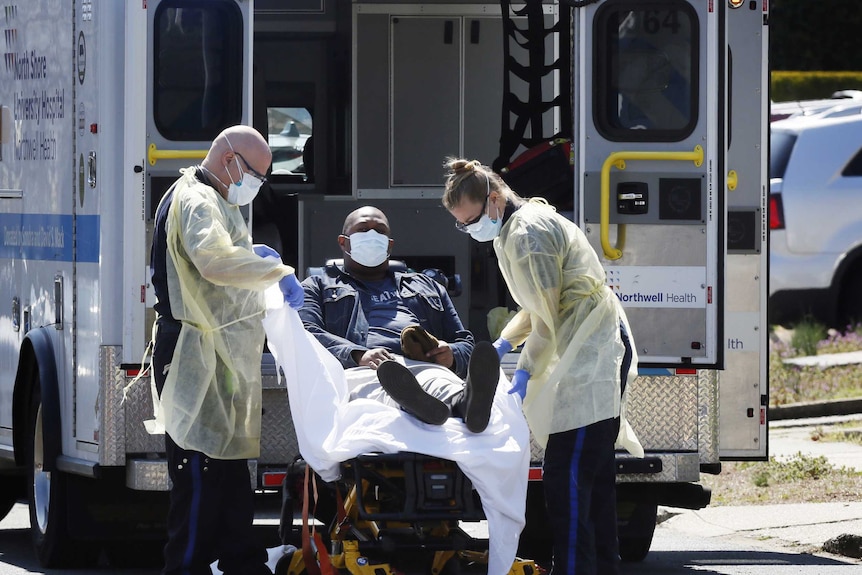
(645, 465)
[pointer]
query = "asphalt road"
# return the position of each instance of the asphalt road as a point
(753, 540)
(677, 548)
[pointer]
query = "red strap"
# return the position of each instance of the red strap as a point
(312, 567)
(536, 151)
(325, 563)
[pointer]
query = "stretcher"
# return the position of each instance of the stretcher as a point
(399, 497)
(394, 513)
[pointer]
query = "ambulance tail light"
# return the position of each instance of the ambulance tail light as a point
(271, 479)
(776, 212)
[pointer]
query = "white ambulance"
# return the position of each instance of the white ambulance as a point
(659, 107)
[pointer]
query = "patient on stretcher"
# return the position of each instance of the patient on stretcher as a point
(354, 389)
(374, 320)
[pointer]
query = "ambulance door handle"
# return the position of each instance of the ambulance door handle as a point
(58, 302)
(732, 180)
(618, 159)
(91, 169)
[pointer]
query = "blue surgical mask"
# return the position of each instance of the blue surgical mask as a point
(369, 249)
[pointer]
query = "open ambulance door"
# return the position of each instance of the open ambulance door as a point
(744, 383)
(199, 61)
(670, 147)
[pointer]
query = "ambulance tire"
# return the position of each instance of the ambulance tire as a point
(47, 494)
(636, 529)
(11, 490)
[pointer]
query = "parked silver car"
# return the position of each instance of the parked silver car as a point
(816, 220)
(838, 103)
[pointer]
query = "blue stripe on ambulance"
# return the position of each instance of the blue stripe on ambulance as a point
(49, 237)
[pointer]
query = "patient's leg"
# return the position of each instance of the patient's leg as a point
(403, 387)
(470, 401)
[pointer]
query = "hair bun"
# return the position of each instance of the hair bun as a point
(459, 166)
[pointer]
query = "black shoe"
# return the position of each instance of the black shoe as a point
(483, 373)
(402, 386)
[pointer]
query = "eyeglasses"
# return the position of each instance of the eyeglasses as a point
(254, 172)
(463, 227)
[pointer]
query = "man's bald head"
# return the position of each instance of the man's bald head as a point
(244, 139)
(237, 149)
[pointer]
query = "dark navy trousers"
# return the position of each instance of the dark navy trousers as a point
(579, 478)
(212, 501)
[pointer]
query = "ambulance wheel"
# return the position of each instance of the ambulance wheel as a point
(635, 549)
(46, 491)
(636, 526)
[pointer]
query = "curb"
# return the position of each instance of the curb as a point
(815, 409)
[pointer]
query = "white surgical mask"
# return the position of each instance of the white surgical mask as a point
(245, 190)
(485, 229)
(369, 249)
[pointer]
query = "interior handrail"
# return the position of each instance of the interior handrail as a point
(154, 154)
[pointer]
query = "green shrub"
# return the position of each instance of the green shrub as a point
(787, 86)
(799, 467)
(807, 334)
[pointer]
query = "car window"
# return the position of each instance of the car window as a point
(781, 145)
(289, 130)
(854, 167)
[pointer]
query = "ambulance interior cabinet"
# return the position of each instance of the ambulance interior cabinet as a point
(427, 87)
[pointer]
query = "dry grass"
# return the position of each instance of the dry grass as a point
(849, 431)
(793, 384)
(800, 479)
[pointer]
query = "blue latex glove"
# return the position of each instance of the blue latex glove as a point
(502, 346)
(294, 295)
(519, 382)
(264, 250)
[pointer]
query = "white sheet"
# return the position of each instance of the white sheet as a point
(330, 429)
